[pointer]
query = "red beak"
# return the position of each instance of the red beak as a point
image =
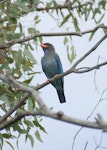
(43, 45)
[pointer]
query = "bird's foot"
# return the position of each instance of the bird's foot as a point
(47, 81)
(56, 76)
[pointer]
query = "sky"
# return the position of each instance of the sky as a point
(80, 92)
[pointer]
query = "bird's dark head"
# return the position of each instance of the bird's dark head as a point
(47, 47)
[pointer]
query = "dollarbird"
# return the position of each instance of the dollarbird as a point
(52, 66)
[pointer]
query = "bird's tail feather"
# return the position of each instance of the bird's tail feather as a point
(61, 96)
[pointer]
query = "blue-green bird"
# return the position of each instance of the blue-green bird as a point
(52, 66)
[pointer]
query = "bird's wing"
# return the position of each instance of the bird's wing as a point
(43, 63)
(59, 64)
(45, 68)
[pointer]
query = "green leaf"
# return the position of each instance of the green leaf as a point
(5, 65)
(31, 30)
(65, 40)
(65, 20)
(7, 136)
(37, 124)
(97, 11)
(30, 46)
(30, 138)
(91, 36)
(76, 24)
(33, 73)
(28, 123)
(102, 3)
(28, 80)
(5, 99)
(48, 4)
(105, 31)
(31, 104)
(16, 127)
(10, 144)
(20, 27)
(13, 11)
(71, 55)
(30, 56)
(38, 136)
(100, 18)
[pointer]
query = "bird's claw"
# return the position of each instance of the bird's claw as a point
(47, 81)
(56, 76)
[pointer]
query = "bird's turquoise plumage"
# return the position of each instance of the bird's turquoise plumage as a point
(51, 66)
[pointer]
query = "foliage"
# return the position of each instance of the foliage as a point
(19, 59)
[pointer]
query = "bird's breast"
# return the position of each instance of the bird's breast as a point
(50, 65)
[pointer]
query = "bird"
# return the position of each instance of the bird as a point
(52, 66)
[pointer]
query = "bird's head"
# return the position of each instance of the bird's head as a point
(47, 47)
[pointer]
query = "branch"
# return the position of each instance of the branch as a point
(99, 124)
(16, 41)
(59, 6)
(64, 6)
(87, 69)
(71, 70)
(28, 91)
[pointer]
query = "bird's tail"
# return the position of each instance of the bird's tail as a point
(61, 96)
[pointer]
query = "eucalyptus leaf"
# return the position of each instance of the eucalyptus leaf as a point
(37, 134)
(30, 56)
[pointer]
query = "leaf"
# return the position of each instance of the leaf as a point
(28, 123)
(68, 56)
(105, 31)
(29, 55)
(71, 55)
(33, 73)
(38, 136)
(88, 11)
(30, 46)
(28, 80)
(76, 24)
(7, 136)
(10, 144)
(5, 65)
(91, 36)
(37, 124)
(48, 4)
(31, 139)
(65, 40)
(16, 127)
(5, 99)
(13, 11)
(20, 27)
(31, 104)
(65, 20)
(102, 3)
(31, 30)
(101, 18)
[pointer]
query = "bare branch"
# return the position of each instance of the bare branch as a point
(55, 115)
(88, 117)
(44, 111)
(19, 41)
(90, 68)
